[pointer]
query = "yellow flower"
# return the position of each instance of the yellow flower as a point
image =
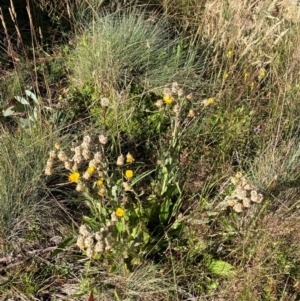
(129, 158)
(99, 182)
(168, 99)
(229, 53)
(207, 102)
(262, 74)
(246, 75)
(128, 173)
(226, 75)
(120, 212)
(252, 85)
(74, 177)
(57, 145)
(90, 169)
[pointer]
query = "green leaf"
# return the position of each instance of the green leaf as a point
(32, 96)
(138, 178)
(8, 112)
(119, 227)
(66, 243)
(165, 210)
(221, 268)
(22, 100)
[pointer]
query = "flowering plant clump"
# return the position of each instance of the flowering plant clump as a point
(124, 220)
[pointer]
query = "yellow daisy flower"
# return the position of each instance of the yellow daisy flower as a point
(99, 182)
(90, 169)
(128, 173)
(168, 99)
(74, 177)
(120, 212)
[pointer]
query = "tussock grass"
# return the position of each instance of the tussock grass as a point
(117, 50)
(23, 194)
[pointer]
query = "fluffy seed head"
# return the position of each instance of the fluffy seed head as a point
(62, 156)
(120, 160)
(103, 139)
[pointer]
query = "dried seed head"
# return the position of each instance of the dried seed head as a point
(113, 218)
(48, 171)
(89, 242)
(80, 243)
(175, 87)
(256, 197)
(86, 154)
(245, 185)
(238, 208)
(50, 163)
(246, 202)
(167, 91)
(103, 139)
(87, 139)
(87, 175)
(99, 236)
(99, 247)
(84, 231)
(190, 96)
(159, 103)
(191, 114)
(176, 110)
(77, 150)
(234, 180)
(68, 164)
(107, 245)
(85, 146)
(104, 102)
(53, 154)
(77, 159)
(240, 193)
(98, 157)
(100, 173)
(180, 93)
(231, 202)
(62, 156)
(75, 167)
(79, 187)
(93, 163)
(120, 160)
(102, 191)
(89, 253)
(126, 186)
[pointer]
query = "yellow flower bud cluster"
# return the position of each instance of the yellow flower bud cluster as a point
(243, 196)
(97, 242)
